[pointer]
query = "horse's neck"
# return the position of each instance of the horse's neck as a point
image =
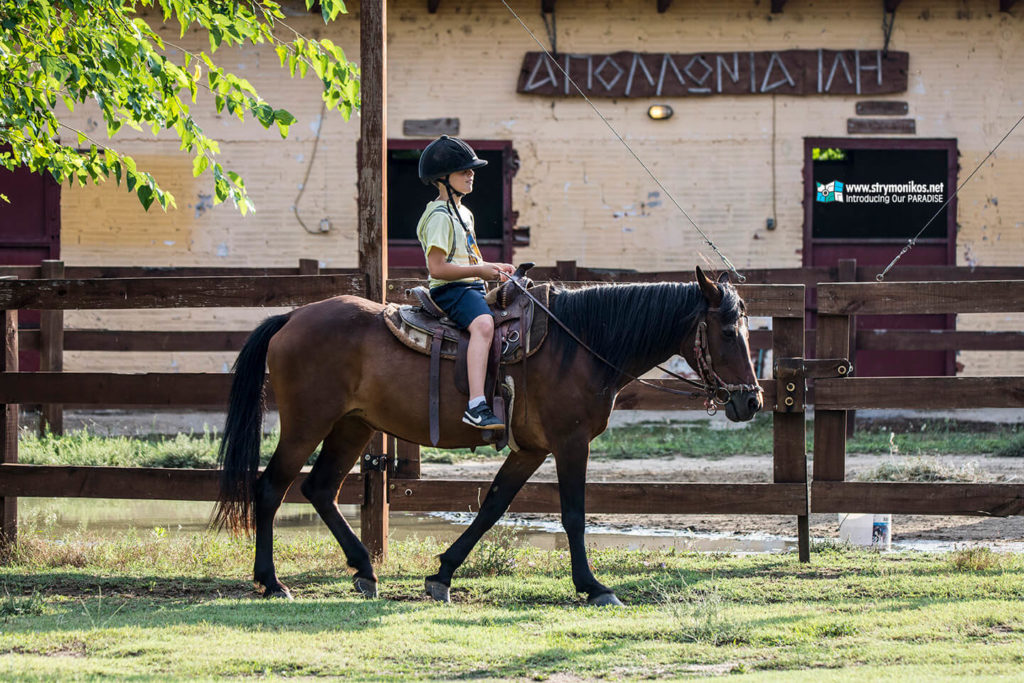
(638, 366)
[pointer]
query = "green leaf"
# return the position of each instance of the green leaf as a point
(264, 114)
(145, 196)
(283, 116)
(199, 164)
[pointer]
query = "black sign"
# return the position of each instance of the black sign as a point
(879, 193)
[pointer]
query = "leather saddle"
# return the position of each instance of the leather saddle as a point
(520, 327)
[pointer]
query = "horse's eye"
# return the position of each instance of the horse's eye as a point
(729, 332)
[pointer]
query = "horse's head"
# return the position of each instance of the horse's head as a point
(720, 352)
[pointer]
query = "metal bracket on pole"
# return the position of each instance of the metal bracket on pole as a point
(791, 375)
(376, 463)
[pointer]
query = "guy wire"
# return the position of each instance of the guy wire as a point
(913, 240)
(707, 240)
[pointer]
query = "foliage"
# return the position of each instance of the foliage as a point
(1013, 447)
(83, 447)
(102, 52)
(828, 154)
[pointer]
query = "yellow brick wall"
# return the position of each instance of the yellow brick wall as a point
(579, 190)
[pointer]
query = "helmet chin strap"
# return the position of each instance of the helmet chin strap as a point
(452, 192)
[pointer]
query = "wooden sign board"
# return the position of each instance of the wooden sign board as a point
(785, 72)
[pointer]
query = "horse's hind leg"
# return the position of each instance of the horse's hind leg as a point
(341, 450)
(516, 469)
(270, 489)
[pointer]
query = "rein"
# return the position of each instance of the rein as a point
(715, 391)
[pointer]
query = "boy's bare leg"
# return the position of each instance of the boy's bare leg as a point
(481, 332)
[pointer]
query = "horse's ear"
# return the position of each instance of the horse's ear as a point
(724, 278)
(711, 291)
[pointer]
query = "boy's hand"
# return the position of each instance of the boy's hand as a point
(499, 269)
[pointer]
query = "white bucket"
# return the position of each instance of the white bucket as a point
(866, 529)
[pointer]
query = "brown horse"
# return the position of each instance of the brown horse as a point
(339, 375)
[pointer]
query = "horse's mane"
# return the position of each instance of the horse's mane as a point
(633, 326)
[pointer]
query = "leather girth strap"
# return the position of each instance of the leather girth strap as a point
(435, 387)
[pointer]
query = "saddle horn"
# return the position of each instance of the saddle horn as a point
(521, 270)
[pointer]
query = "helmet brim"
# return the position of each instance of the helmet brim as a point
(475, 163)
(472, 164)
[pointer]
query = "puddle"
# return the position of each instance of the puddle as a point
(100, 516)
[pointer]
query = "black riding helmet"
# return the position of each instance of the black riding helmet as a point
(445, 156)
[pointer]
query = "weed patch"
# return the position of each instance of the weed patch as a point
(975, 559)
(699, 616)
(21, 605)
(922, 470)
(497, 554)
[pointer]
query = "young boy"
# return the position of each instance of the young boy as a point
(457, 270)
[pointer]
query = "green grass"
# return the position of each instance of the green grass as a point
(176, 607)
(692, 439)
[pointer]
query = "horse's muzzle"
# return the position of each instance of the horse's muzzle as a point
(743, 405)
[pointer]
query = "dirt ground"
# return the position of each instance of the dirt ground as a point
(757, 469)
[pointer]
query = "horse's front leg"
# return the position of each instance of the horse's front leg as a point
(514, 472)
(571, 465)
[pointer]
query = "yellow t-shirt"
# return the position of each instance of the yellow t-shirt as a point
(438, 228)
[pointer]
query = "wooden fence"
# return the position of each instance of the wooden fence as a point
(834, 398)
(399, 488)
(51, 339)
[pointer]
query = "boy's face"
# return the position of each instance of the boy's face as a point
(462, 181)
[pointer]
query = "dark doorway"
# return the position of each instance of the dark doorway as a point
(491, 200)
(863, 199)
(29, 233)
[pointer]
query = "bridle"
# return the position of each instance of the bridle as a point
(716, 386)
(715, 391)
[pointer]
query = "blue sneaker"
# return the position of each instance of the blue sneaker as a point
(482, 417)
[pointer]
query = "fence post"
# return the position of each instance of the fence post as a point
(848, 273)
(51, 350)
(373, 233)
(407, 460)
(565, 271)
(832, 341)
(788, 433)
(9, 433)
(373, 515)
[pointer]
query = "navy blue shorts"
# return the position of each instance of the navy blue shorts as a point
(462, 301)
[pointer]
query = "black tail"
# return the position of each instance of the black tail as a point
(243, 430)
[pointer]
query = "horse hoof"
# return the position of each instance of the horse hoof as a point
(437, 590)
(604, 599)
(280, 593)
(366, 587)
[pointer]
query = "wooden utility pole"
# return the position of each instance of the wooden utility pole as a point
(373, 234)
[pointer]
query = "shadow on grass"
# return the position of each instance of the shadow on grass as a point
(551, 659)
(81, 602)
